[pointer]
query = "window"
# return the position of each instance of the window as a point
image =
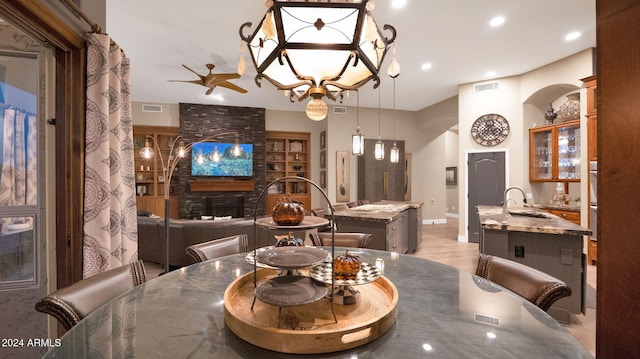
(19, 144)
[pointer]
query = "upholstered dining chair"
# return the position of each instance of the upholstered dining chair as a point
(71, 304)
(216, 248)
(359, 240)
(537, 287)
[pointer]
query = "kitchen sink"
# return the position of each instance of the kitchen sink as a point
(529, 213)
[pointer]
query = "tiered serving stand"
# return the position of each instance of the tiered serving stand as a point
(296, 278)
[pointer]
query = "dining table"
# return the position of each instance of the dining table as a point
(442, 312)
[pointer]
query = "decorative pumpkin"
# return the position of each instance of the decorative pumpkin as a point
(288, 212)
(290, 241)
(346, 266)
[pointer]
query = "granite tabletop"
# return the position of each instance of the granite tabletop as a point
(527, 219)
(442, 313)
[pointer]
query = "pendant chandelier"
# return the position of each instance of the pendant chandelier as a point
(357, 139)
(394, 154)
(379, 147)
(318, 49)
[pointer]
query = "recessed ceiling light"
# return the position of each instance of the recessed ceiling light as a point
(497, 21)
(491, 74)
(426, 66)
(398, 3)
(572, 36)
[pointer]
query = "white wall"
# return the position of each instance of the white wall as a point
(451, 160)
(429, 148)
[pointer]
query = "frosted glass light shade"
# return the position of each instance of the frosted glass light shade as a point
(379, 150)
(317, 109)
(394, 155)
(357, 143)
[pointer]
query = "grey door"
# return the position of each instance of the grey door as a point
(486, 176)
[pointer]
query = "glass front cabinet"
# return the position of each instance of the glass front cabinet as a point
(554, 153)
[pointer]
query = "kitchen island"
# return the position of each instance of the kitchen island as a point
(541, 240)
(395, 226)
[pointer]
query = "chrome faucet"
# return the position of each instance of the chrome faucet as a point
(505, 203)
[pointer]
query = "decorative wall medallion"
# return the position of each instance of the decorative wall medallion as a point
(490, 129)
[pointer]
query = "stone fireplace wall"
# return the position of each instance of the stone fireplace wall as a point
(198, 121)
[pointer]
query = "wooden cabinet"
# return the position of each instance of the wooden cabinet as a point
(591, 84)
(150, 186)
(554, 153)
(592, 252)
(288, 154)
(571, 216)
(397, 233)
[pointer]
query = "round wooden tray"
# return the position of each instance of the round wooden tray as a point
(309, 328)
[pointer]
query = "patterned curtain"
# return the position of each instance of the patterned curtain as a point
(110, 228)
(19, 181)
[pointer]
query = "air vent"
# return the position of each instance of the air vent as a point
(151, 108)
(489, 86)
(340, 110)
(487, 319)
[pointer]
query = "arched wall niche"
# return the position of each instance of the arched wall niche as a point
(534, 108)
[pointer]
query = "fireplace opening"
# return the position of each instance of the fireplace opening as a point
(224, 206)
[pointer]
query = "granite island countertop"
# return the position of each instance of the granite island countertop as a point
(384, 211)
(569, 208)
(527, 219)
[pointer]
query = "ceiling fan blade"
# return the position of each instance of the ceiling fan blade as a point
(190, 69)
(231, 86)
(228, 76)
(218, 78)
(197, 82)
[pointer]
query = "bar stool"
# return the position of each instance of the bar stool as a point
(535, 286)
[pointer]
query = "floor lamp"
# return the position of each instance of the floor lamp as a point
(176, 153)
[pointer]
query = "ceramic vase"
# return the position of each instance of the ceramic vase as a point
(570, 110)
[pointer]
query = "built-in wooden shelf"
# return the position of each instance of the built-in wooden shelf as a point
(222, 186)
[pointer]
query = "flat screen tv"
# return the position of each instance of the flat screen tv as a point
(217, 159)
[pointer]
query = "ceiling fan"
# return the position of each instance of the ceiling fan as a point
(212, 80)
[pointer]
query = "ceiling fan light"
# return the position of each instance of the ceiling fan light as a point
(317, 109)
